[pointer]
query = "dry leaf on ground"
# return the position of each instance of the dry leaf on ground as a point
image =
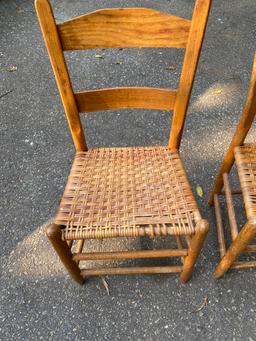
(170, 68)
(199, 191)
(12, 68)
(204, 304)
(218, 91)
(105, 284)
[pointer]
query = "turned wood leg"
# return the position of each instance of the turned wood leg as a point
(244, 237)
(53, 232)
(202, 228)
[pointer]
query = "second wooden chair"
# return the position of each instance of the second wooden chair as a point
(244, 156)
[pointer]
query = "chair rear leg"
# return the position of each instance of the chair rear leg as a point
(53, 232)
(244, 237)
(194, 250)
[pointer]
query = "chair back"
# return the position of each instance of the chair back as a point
(124, 28)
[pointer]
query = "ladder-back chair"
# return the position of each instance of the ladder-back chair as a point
(244, 156)
(126, 192)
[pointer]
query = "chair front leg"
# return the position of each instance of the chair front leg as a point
(244, 237)
(202, 228)
(53, 232)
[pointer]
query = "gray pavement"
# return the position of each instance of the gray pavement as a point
(38, 301)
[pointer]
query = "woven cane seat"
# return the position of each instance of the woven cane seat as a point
(127, 192)
(246, 166)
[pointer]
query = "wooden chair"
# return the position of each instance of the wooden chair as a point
(244, 155)
(126, 192)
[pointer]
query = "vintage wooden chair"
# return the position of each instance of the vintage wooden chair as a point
(244, 155)
(126, 192)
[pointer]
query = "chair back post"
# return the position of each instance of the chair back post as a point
(240, 134)
(53, 45)
(193, 48)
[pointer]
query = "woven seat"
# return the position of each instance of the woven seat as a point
(129, 192)
(246, 167)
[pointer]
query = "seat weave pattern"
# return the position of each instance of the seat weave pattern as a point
(245, 157)
(127, 192)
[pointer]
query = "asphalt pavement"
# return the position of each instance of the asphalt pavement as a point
(38, 301)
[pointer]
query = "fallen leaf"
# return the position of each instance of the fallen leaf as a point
(105, 284)
(99, 56)
(12, 68)
(20, 10)
(204, 304)
(171, 68)
(199, 191)
(218, 91)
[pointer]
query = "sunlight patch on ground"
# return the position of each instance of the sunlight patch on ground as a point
(33, 257)
(219, 95)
